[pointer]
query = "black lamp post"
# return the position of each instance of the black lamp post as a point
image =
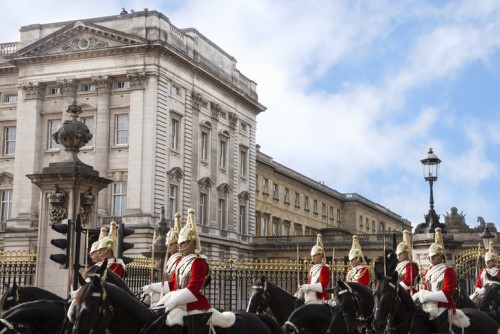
(486, 236)
(430, 167)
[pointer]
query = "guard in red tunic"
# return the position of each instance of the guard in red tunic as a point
(189, 278)
(318, 277)
(407, 269)
(440, 283)
(108, 248)
(491, 268)
(359, 272)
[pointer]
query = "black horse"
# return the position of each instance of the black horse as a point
(461, 297)
(266, 295)
(100, 306)
(315, 319)
(16, 295)
(355, 302)
(490, 302)
(40, 317)
(395, 312)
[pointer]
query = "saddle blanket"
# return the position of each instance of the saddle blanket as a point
(458, 318)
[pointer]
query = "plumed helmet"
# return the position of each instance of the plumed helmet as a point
(113, 234)
(105, 242)
(405, 245)
(490, 254)
(103, 233)
(189, 231)
(438, 246)
(318, 248)
(94, 246)
(173, 234)
(355, 249)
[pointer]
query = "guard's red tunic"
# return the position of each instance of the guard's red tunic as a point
(482, 279)
(320, 274)
(360, 274)
(191, 273)
(407, 273)
(442, 278)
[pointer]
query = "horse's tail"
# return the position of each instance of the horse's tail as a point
(271, 323)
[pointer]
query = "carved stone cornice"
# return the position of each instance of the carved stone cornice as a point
(137, 80)
(233, 119)
(244, 196)
(175, 174)
(34, 90)
(84, 43)
(205, 183)
(198, 100)
(223, 189)
(103, 84)
(216, 109)
(69, 87)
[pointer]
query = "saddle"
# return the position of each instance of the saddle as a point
(199, 324)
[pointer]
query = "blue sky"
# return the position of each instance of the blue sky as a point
(356, 91)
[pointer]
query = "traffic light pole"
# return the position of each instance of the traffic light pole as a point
(76, 254)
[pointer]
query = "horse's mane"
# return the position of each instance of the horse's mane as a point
(34, 293)
(274, 286)
(365, 294)
(111, 277)
(32, 309)
(130, 303)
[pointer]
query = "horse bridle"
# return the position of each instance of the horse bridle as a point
(105, 308)
(9, 327)
(262, 307)
(390, 314)
(298, 330)
(358, 315)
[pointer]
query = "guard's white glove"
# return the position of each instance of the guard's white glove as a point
(72, 294)
(316, 287)
(305, 287)
(438, 296)
(181, 297)
(155, 287)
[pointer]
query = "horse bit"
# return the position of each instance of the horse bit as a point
(102, 309)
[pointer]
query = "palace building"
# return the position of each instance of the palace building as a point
(174, 125)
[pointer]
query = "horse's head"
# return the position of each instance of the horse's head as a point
(10, 298)
(491, 297)
(386, 300)
(349, 305)
(259, 296)
(91, 311)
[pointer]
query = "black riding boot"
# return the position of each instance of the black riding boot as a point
(441, 323)
(197, 323)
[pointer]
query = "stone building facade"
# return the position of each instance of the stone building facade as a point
(172, 118)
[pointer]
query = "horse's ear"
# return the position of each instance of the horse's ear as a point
(263, 279)
(342, 284)
(394, 277)
(14, 285)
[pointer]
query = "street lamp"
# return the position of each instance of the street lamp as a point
(486, 236)
(430, 168)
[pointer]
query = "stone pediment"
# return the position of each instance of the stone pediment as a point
(79, 36)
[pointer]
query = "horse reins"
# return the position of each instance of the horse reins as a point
(329, 330)
(357, 313)
(8, 327)
(265, 296)
(390, 314)
(101, 312)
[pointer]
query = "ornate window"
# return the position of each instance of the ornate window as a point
(174, 133)
(121, 129)
(119, 198)
(172, 201)
(52, 128)
(9, 140)
(89, 122)
(5, 204)
(297, 200)
(203, 208)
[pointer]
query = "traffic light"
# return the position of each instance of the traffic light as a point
(65, 228)
(124, 246)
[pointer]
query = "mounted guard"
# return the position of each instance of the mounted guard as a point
(491, 268)
(407, 269)
(359, 272)
(440, 283)
(108, 248)
(189, 278)
(318, 277)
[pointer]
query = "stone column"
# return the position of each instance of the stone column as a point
(29, 150)
(102, 135)
(135, 144)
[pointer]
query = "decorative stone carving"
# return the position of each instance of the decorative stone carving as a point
(198, 100)
(103, 84)
(136, 79)
(244, 196)
(87, 202)
(223, 189)
(175, 174)
(216, 109)
(34, 90)
(456, 221)
(84, 43)
(233, 119)
(205, 183)
(69, 87)
(482, 225)
(57, 205)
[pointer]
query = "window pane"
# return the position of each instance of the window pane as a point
(172, 202)
(243, 219)
(53, 125)
(5, 205)
(121, 129)
(174, 134)
(89, 122)
(222, 154)
(119, 198)
(10, 141)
